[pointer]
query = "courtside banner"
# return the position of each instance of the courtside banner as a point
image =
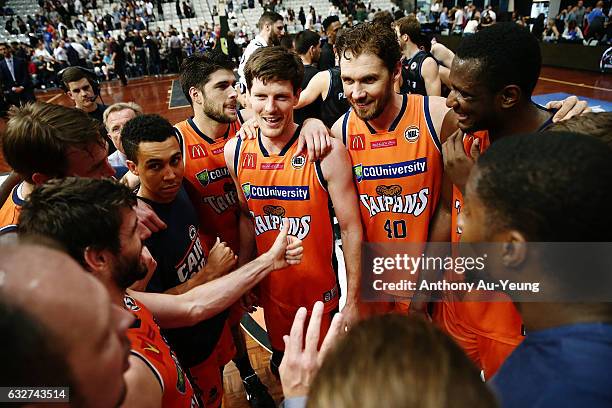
(487, 272)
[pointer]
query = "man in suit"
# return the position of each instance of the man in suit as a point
(16, 82)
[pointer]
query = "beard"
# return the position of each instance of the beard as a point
(128, 270)
(215, 113)
(374, 111)
(274, 39)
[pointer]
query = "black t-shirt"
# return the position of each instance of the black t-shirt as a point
(179, 254)
(327, 59)
(314, 109)
(335, 104)
(413, 82)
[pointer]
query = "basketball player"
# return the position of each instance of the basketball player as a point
(44, 141)
(208, 82)
(106, 239)
(492, 79)
(420, 73)
(82, 334)
(154, 155)
(393, 141)
(549, 187)
(275, 183)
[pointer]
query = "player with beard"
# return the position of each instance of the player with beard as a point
(393, 141)
(106, 239)
(493, 76)
(271, 28)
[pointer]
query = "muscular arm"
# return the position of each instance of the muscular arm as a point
(439, 112)
(207, 300)
(248, 249)
(337, 170)
(318, 86)
(431, 75)
(143, 389)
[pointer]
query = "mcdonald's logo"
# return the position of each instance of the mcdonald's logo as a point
(197, 151)
(357, 142)
(249, 161)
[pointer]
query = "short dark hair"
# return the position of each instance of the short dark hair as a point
(144, 128)
(197, 69)
(32, 355)
(507, 53)
(384, 18)
(379, 40)
(274, 63)
(305, 40)
(328, 21)
(73, 74)
(598, 125)
(78, 213)
(409, 26)
(530, 182)
(39, 134)
(268, 17)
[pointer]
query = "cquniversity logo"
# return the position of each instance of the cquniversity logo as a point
(246, 189)
(390, 171)
(285, 193)
(358, 170)
(203, 177)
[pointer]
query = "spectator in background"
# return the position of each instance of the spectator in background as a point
(115, 117)
(327, 60)
(572, 33)
(15, 78)
(551, 34)
(538, 27)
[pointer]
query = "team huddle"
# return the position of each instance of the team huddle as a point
(233, 209)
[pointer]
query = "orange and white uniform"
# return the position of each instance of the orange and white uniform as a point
(398, 174)
(487, 331)
(148, 344)
(209, 183)
(9, 213)
(278, 186)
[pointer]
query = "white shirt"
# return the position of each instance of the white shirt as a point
(470, 27)
(11, 67)
(60, 54)
(43, 54)
(117, 159)
(80, 50)
(257, 43)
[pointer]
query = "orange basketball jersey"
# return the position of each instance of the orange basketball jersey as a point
(277, 186)
(9, 213)
(148, 344)
(398, 172)
(209, 184)
(487, 331)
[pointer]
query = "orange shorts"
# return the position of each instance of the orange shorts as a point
(279, 321)
(207, 375)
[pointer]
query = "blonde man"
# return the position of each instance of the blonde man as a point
(115, 117)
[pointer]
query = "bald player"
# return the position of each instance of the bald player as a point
(80, 323)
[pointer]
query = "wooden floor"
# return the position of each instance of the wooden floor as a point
(152, 94)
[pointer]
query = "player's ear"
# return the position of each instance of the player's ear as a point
(97, 261)
(132, 167)
(195, 95)
(514, 252)
(39, 178)
(397, 71)
(296, 99)
(509, 96)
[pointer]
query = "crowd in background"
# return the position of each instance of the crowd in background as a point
(98, 45)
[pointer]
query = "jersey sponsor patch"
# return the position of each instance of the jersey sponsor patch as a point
(205, 177)
(271, 166)
(218, 150)
(381, 144)
(357, 142)
(249, 161)
(390, 199)
(197, 151)
(390, 171)
(290, 193)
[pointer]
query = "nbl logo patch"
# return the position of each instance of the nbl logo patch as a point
(412, 134)
(249, 161)
(197, 151)
(357, 142)
(298, 162)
